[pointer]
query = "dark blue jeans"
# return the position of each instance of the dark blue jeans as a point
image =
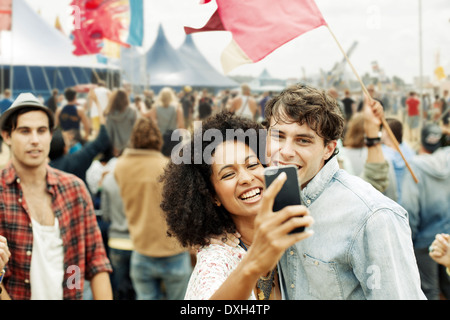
(120, 278)
(160, 278)
(433, 277)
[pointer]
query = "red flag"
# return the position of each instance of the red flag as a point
(260, 26)
(99, 19)
(5, 14)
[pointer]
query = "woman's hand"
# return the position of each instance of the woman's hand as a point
(440, 249)
(272, 229)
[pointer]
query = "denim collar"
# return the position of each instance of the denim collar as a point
(320, 181)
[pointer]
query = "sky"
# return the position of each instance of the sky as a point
(386, 31)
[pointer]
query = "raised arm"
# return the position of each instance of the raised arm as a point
(376, 168)
(373, 112)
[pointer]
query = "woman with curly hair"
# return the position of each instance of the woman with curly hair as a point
(208, 201)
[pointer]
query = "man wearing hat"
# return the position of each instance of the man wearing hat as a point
(46, 215)
(428, 205)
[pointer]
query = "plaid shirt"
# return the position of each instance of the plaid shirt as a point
(82, 241)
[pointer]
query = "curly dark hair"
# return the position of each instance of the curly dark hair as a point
(305, 104)
(188, 194)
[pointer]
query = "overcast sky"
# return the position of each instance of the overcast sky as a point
(387, 31)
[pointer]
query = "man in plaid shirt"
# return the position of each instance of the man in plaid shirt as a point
(46, 215)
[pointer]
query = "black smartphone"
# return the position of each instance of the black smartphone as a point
(289, 193)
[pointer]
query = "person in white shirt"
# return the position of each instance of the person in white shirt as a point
(99, 95)
(244, 105)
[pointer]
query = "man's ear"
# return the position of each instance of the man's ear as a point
(329, 149)
(6, 137)
(268, 152)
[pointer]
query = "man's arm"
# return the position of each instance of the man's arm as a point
(252, 105)
(373, 112)
(382, 257)
(180, 118)
(91, 98)
(85, 121)
(376, 168)
(57, 112)
(234, 104)
(151, 114)
(98, 265)
(4, 294)
(101, 286)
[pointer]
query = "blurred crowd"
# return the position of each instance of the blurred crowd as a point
(103, 136)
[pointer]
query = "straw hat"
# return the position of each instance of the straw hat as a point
(24, 100)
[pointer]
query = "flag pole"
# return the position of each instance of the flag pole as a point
(2, 84)
(383, 120)
(11, 68)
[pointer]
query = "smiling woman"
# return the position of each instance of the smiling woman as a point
(238, 182)
(193, 216)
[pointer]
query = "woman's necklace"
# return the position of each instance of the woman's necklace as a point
(264, 285)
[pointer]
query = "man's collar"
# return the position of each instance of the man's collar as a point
(321, 180)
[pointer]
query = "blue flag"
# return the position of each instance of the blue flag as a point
(136, 33)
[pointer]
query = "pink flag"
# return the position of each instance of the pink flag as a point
(100, 19)
(260, 26)
(5, 14)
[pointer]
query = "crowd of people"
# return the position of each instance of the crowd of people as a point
(94, 206)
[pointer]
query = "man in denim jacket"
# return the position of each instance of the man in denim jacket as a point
(428, 205)
(361, 247)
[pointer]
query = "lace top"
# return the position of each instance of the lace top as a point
(214, 264)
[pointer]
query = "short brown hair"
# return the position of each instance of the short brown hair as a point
(396, 128)
(146, 135)
(305, 104)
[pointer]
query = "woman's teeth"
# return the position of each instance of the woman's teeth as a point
(250, 194)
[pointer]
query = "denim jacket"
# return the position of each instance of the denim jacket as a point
(361, 247)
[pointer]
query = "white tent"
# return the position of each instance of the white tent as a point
(38, 53)
(162, 65)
